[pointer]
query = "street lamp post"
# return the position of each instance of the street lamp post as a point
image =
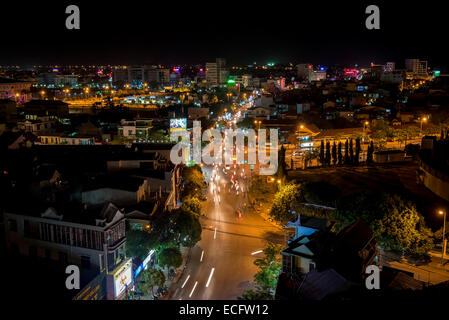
(422, 119)
(443, 250)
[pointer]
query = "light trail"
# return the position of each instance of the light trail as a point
(202, 253)
(256, 252)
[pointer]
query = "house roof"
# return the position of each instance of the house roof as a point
(114, 181)
(356, 235)
(317, 285)
(331, 133)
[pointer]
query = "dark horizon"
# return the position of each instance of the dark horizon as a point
(242, 33)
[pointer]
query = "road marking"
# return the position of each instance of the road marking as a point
(256, 252)
(185, 281)
(215, 233)
(202, 253)
(210, 277)
(196, 282)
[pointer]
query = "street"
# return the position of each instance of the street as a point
(221, 264)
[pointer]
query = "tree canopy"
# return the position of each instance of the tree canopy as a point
(170, 257)
(149, 278)
(284, 200)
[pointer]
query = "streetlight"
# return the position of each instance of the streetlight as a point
(364, 126)
(257, 122)
(422, 119)
(443, 251)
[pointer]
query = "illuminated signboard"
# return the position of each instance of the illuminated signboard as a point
(123, 278)
(178, 124)
(143, 264)
(307, 144)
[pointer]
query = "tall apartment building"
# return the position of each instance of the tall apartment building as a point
(416, 66)
(157, 75)
(303, 70)
(138, 75)
(216, 73)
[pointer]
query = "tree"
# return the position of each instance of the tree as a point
(334, 153)
(284, 200)
(351, 152)
(138, 243)
(328, 153)
(170, 257)
(150, 278)
(281, 160)
(395, 222)
(370, 152)
(186, 227)
(357, 151)
(193, 181)
(402, 227)
(269, 267)
(191, 204)
(340, 155)
(322, 153)
(346, 152)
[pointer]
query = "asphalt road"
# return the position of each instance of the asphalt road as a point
(221, 264)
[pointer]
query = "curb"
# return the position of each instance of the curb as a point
(179, 276)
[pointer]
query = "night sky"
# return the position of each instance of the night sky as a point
(194, 32)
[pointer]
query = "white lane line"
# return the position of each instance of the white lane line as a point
(196, 282)
(185, 281)
(202, 253)
(215, 233)
(256, 252)
(210, 277)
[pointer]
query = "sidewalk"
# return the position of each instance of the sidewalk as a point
(171, 284)
(263, 212)
(431, 272)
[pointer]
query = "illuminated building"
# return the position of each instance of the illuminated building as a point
(94, 242)
(216, 73)
(14, 89)
(416, 66)
(390, 66)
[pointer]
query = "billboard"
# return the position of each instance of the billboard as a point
(178, 124)
(123, 278)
